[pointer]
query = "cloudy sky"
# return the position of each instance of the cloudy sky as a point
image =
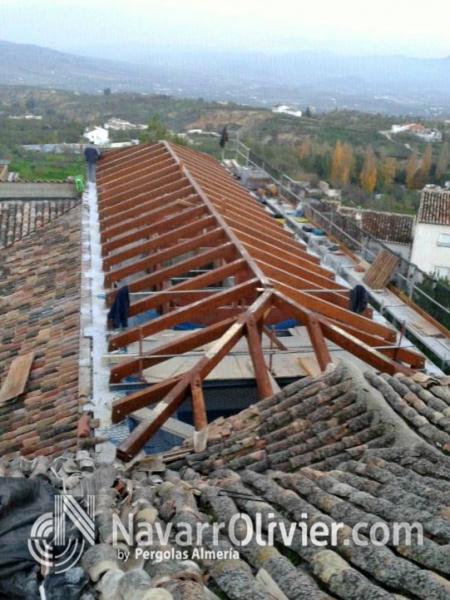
(347, 26)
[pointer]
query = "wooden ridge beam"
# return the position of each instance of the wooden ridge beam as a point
(184, 313)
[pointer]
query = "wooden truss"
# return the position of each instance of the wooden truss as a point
(193, 245)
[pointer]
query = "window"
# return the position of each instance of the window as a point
(444, 239)
(442, 272)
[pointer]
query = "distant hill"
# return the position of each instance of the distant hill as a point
(24, 64)
(324, 80)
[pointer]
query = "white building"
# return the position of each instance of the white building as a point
(431, 246)
(286, 110)
(98, 136)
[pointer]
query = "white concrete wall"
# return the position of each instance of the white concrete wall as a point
(426, 253)
(402, 249)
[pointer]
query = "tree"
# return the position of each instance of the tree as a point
(425, 165)
(305, 147)
(308, 112)
(107, 92)
(341, 163)
(368, 175)
(388, 170)
(411, 171)
(156, 132)
(442, 161)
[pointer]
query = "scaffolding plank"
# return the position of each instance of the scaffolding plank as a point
(381, 270)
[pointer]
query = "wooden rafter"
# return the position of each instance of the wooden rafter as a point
(187, 343)
(223, 252)
(165, 240)
(204, 366)
(263, 382)
(212, 237)
(213, 301)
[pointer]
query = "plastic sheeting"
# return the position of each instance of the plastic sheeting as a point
(22, 502)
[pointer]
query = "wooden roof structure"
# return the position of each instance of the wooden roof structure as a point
(169, 213)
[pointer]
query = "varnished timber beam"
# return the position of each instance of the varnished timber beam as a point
(225, 252)
(211, 238)
(328, 309)
(187, 343)
(263, 382)
(205, 365)
(142, 229)
(318, 342)
(193, 283)
(184, 313)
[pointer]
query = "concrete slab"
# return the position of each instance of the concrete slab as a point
(36, 191)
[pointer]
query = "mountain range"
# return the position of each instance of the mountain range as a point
(323, 80)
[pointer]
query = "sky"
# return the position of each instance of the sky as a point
(346, 26)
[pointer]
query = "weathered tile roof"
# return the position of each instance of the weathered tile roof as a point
(388, 227)
(40, 313)
(367, 474)
(384, 226)
(434, 207)
(19, 218)
(316, 422)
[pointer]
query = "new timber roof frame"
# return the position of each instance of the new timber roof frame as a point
(191, 244)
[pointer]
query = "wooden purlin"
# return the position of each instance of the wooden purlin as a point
(174, 216)
(381, 270)
(213, 301)
(411, 357)
(188, 343)
(299, 283)
(224, 252)
(204, 366)
(210, 238)
(150, 395)
(136, 205)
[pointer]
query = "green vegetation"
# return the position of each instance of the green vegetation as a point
(37, 165)
(352, 150)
